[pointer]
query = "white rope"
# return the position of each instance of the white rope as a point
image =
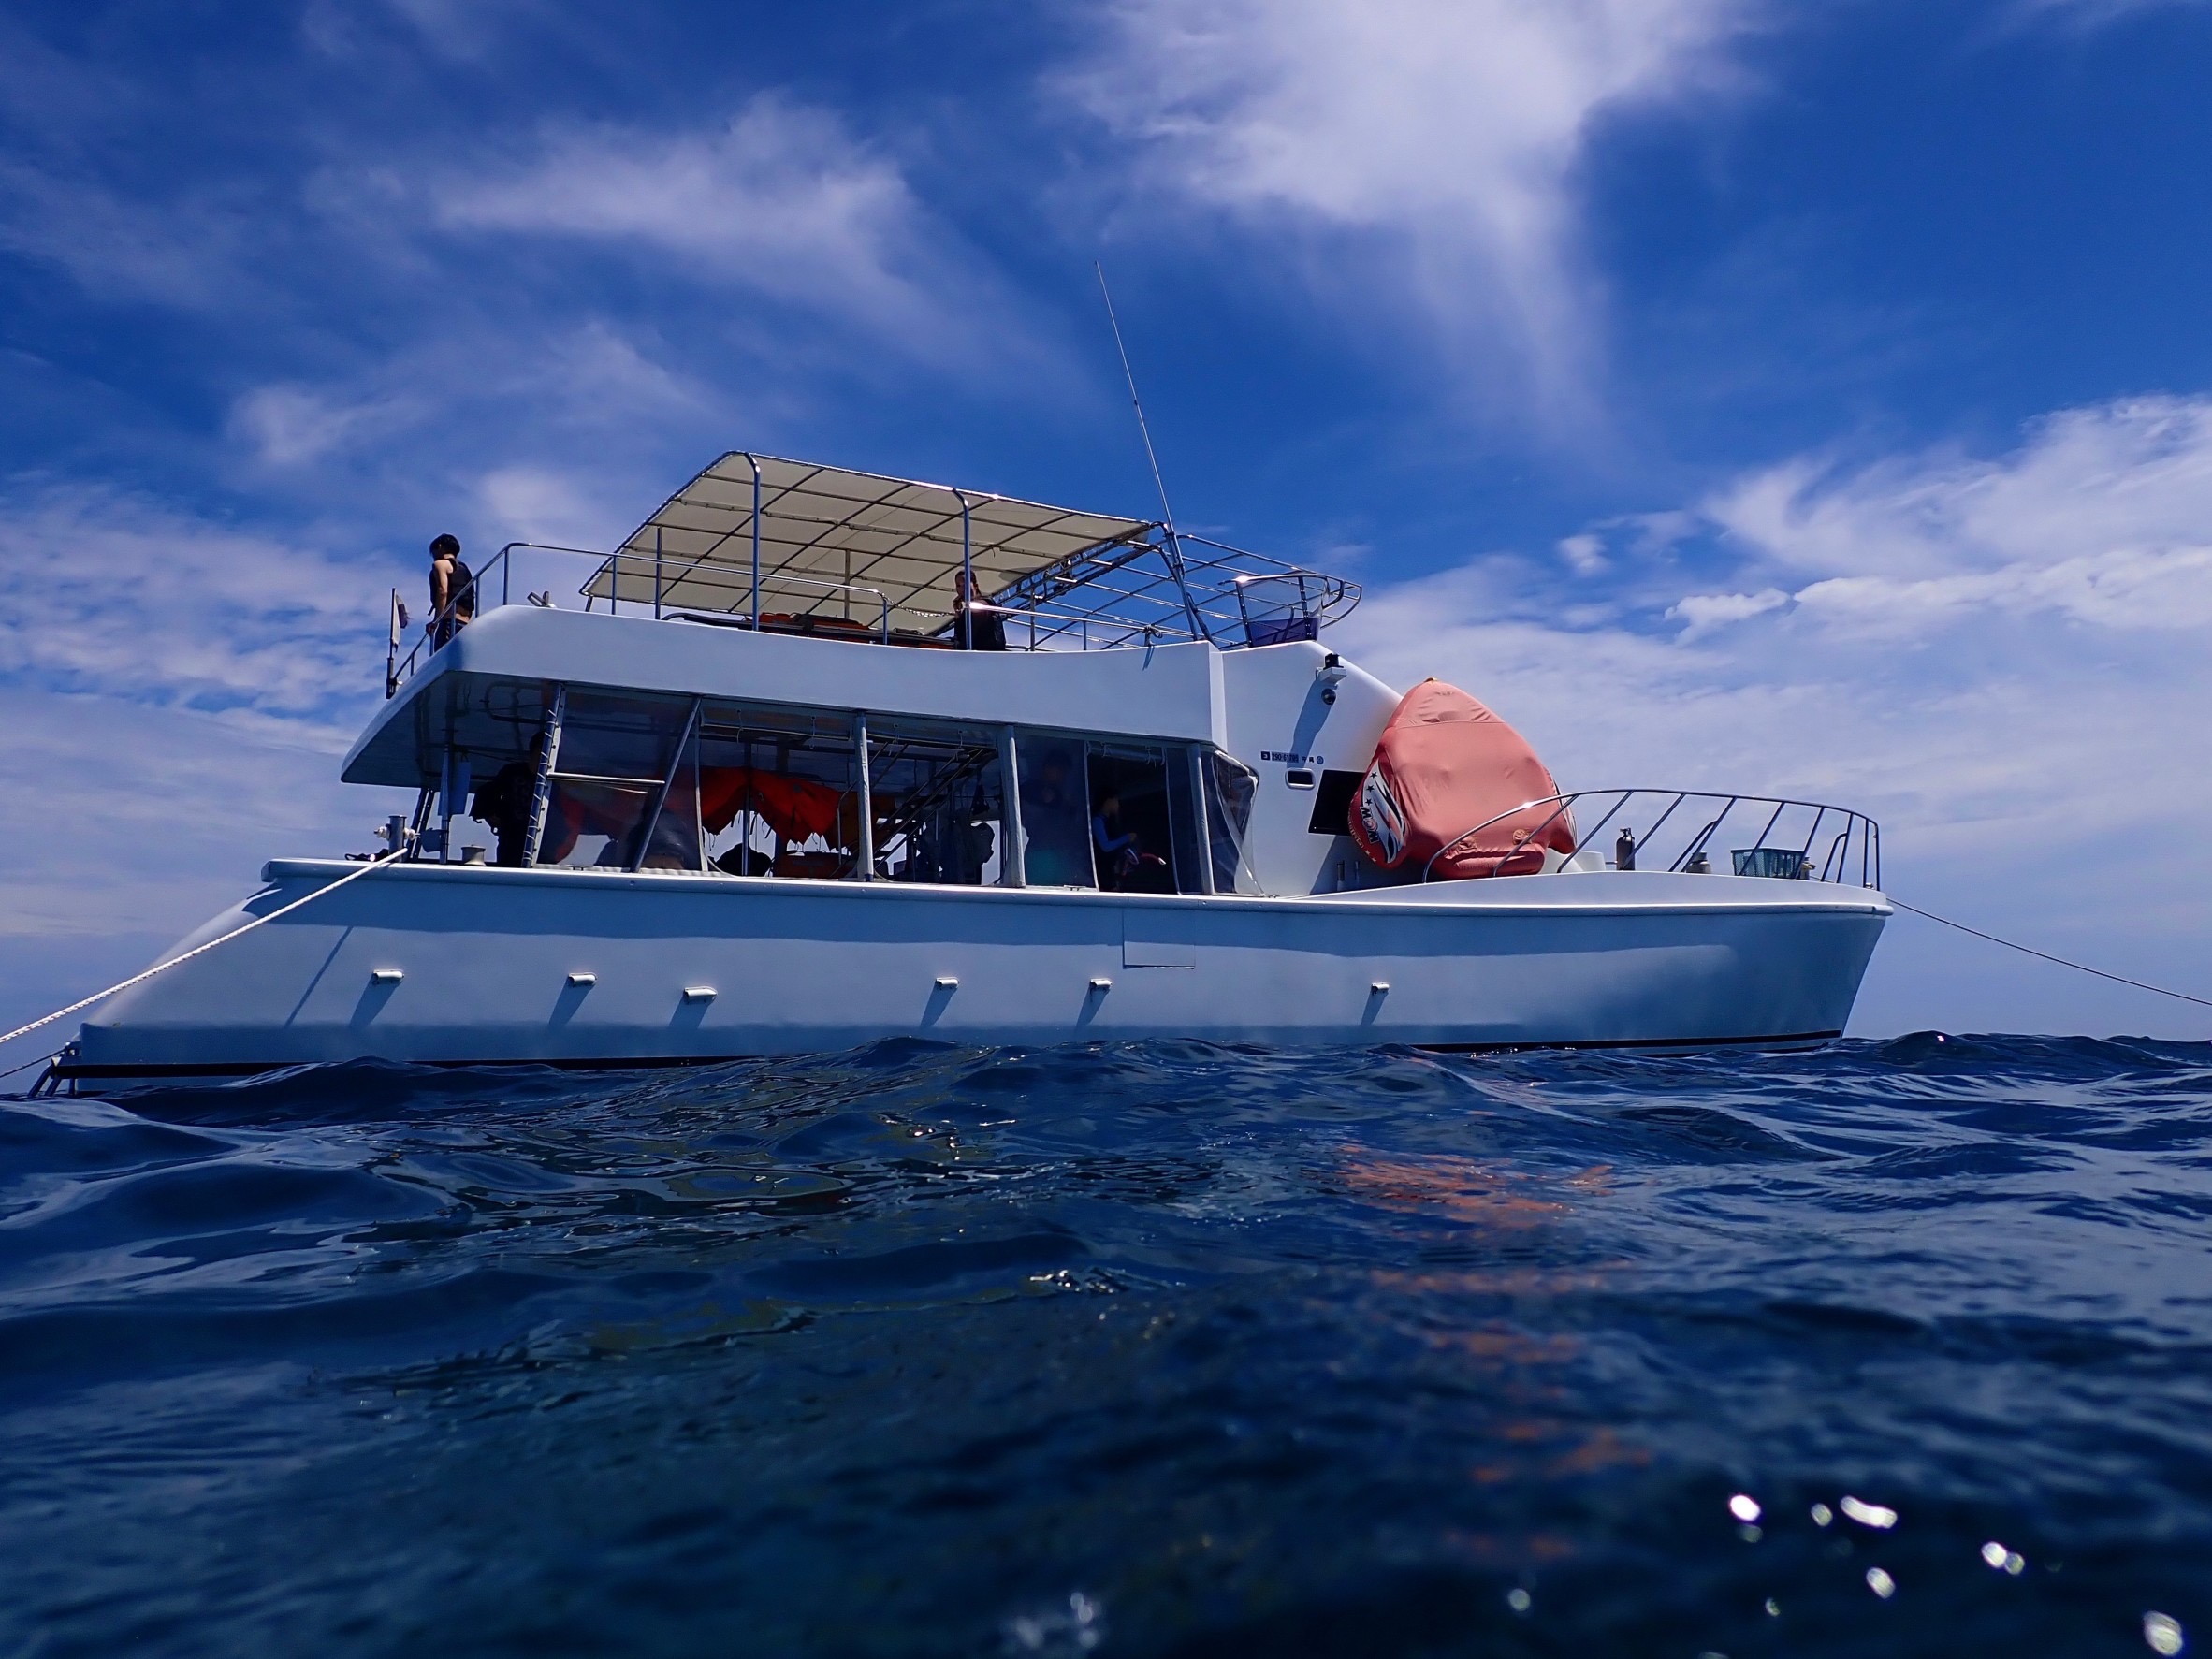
(2030, 951)
(140, 979)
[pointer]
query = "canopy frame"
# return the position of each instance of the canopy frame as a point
(753, 529)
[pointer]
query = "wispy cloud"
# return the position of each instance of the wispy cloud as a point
(784, 200)
(2091, 14)
(1996, 656)
(1437, 139)
(2103, 515)
(120, 597)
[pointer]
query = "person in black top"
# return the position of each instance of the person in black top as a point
(976, 626)
(453, 591)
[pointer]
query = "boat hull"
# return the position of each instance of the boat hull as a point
(452, 963)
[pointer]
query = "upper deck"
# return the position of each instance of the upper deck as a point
(772, 545)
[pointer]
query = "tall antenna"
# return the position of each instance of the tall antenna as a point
(1198, 625)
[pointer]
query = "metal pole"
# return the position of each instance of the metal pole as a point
(651, 820)
(542, 792)
(1174, 547)
(1013, 864)
(867, 849)
(745, 856)
(656, 572)
(450, 781)
(756, 542)
(966, 580)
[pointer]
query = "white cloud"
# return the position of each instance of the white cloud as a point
(187, 254)
(2091, 14)
(1448, 132)
(783, 200)
(176, 696)
(289, 425)
(531, 504)
(1701, 611)
(2103, 515)
(1585, 554)
(2000, 658)
(112, 595)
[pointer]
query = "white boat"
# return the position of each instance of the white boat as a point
(751, 796)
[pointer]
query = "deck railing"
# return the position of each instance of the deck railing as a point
(1138, 595)
(1791, 840)
(640, 582)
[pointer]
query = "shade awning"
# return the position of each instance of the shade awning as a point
(842, 544)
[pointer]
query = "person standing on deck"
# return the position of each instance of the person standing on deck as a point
(976, 626)
(453, 591)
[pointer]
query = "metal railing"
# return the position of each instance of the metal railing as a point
(642, 581)
(1119, 594)
(1183, 587)
(1801, 840)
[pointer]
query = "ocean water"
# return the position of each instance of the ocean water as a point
(1897, 1348)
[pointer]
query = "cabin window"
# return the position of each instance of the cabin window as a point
(1231, 786)
(780, 792)
(1132, 819)
(1185, 831)
(680, 783)
(617, 779)
(1332, 804)
(674, 841)
(1056, 811)
(938, 802)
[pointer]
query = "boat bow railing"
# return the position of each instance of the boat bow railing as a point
(1794, 840)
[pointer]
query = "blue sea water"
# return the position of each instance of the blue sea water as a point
(1148, 1349)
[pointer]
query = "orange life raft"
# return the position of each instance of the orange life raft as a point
(1444, 765)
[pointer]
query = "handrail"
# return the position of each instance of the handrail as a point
(1563, 801)
(397, 673)
(1834, 866)
(1122, 603)
(399, 670)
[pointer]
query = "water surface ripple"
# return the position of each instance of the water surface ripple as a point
(1150, 1349)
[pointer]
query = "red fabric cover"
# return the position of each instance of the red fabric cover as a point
(1443, 764)
(796, 809)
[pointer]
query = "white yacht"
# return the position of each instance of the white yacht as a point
(817, 757)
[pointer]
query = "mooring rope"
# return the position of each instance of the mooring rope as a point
(2047, 956)
(140, 979)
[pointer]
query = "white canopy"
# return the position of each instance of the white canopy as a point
(842, 544)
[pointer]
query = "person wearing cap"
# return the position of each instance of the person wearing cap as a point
(453, 591)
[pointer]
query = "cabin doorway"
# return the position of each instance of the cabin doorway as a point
(1132, 826)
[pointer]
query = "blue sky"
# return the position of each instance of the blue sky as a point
(1731, 393)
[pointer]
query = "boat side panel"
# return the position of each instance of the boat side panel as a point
(1160, 692)
(483, 972)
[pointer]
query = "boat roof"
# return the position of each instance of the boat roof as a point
(834, 539)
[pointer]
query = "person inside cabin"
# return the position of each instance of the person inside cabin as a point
(504, 804)
(453, 591)
(976, 626)
(1118, 851)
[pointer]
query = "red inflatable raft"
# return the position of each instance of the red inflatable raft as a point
(1444, 764)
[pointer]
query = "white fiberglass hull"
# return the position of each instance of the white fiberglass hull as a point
(450, 964)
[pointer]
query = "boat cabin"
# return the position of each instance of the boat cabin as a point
(805, 673)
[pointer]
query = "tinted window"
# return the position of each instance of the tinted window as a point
(1056, 812)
